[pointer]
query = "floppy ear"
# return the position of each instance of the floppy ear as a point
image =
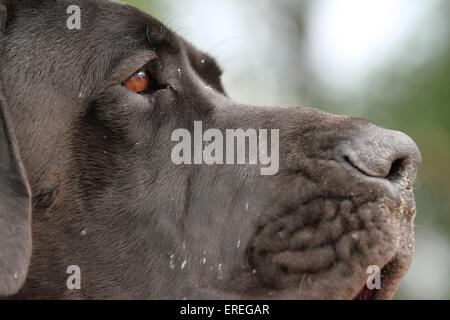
(15, 209)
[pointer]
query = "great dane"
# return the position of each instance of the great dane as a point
(87, 182)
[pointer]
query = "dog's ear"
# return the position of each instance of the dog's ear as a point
(15, 209)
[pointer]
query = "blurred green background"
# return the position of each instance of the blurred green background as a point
(384, 60)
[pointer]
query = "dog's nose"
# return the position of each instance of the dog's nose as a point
(382, 153)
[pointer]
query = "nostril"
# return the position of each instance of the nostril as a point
(392, 171)
(396, 171)
(380, 153)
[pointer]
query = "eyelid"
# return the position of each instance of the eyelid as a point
(131, 65)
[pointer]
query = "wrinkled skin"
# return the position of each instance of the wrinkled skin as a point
(107, 197)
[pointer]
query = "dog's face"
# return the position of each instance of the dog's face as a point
(94, 111)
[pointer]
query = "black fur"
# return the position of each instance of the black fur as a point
(106, 196)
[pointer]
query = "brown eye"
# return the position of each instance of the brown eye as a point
(138, 82)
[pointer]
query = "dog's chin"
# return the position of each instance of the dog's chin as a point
(391, 275)
(286, 273)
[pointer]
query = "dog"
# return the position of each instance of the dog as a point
(92, 207)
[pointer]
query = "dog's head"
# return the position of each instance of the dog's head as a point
(106, 119)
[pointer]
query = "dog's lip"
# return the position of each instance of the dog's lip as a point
(374, 294)
(363, 294)
(391, 275)
(390, 279)
(388, 287)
